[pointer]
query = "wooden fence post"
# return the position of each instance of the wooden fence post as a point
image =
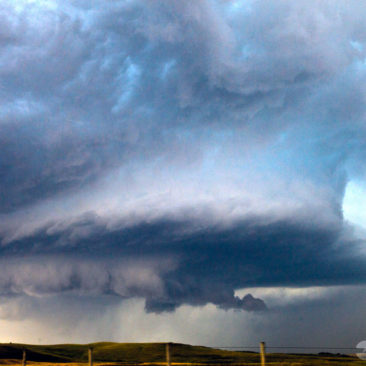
(90, 354)
(24, 361)
(263, 353)
(168, 359)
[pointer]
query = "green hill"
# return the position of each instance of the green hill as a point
(138, 353)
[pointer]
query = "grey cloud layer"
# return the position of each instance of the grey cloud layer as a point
(109, 113)
(169, 265)
(82, 96)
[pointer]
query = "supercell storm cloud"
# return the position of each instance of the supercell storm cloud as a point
(179, 151)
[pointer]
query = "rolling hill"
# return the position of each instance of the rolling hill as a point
(151, 353)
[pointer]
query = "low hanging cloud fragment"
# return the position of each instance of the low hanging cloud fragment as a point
(169, 265)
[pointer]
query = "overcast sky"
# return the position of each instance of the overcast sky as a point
(191, 171)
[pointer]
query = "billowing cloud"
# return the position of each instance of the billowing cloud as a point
(176, 152)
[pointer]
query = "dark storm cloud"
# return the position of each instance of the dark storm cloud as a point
(82, 94)
(178, 151)
(168, 267)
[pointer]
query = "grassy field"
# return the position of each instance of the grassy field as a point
(110, 354)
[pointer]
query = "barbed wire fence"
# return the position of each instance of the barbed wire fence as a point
(243, 348)
(261, 349)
